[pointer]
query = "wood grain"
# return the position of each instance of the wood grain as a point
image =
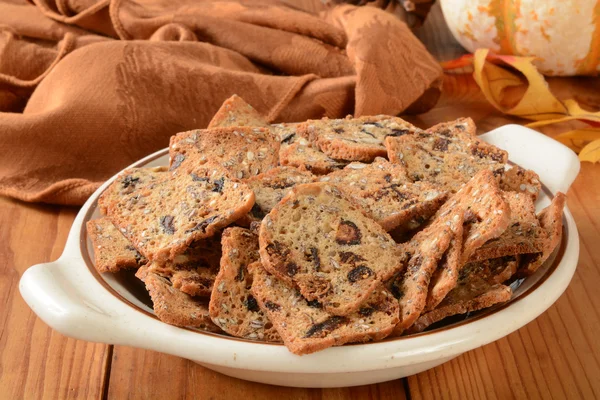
(149, 372)
(35, 361)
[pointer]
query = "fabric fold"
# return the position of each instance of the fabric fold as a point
(88, 87)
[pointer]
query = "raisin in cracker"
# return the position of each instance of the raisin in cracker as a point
(306, 327)
(449, 155)
(175, 307)
(319, 241)
(112, 252)
(193, 271)
(232, 305)
(551, 221)
(243, 151)
(236, 112)
(383, 190)
(163, 213)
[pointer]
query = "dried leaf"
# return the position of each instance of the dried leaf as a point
(591, 152)
(537, 104)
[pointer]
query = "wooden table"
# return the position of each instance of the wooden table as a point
(553, 356)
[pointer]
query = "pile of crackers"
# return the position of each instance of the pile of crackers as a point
(324, 232)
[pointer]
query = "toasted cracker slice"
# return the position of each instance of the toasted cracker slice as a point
(494, 295)
(306, 327)
(175, 307)
(163, 213)
(236, 112)
(424, 252)
(243, 151)
(232, 305)
(298, 152)
(355, 139)
(445, 276)
(447, 154)
(383, 190)
(318, 240)
(194, 271)
(523, 235)
(112, 251)
(551, 221)
(480, 212)
(517, 179)
(479, 286)
(272, 186)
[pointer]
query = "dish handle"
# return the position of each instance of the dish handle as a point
(555, 163)
(54, 292)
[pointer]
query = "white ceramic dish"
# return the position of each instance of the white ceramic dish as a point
(75, 300)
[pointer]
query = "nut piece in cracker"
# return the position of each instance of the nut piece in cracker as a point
(232, 305)
(306, 327)
(447, 154)
(163, 213)
(551, 221)
(242, 151)
(174, 307)
(298, 152)
(479, 287)
(383, 190)
(236, 112)
(112, 252)
(355, 139)
(319, 241)
(523, 235)
(193, 271)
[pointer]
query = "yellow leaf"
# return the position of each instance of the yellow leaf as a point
(591, 152)
(538, 103)
(578, 138)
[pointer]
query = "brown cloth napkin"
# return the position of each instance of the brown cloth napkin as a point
(88, 87)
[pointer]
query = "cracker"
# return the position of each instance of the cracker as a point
(298, 152)
(194, 271)
(232, 305)
(243, 151)
(479, 286)
(523, 235)
(355, 139)
(236, 112)
(306, 327)
(319, 241)
(383, 190)
(163, 213)
(517, 179)
(175, 307)
(480, 212)
(551, 221)
(112, 252)
(272, 186)
(448, 155)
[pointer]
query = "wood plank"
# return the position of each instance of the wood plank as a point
(555, 355)
(160, 376)
(35, 361)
